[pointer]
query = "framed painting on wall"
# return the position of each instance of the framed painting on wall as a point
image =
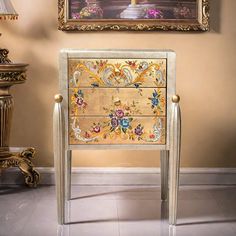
(137, 15)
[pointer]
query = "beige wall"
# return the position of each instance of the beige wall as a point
(206, 82)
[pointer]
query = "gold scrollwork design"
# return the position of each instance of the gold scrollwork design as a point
(17, 76)
(23, 161)
(4, 56)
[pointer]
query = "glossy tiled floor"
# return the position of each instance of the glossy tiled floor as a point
(118, 211)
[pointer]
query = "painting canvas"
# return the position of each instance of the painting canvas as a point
(133, 15)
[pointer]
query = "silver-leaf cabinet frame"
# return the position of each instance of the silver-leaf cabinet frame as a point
(170, 152)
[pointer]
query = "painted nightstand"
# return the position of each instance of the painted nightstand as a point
(117, 100)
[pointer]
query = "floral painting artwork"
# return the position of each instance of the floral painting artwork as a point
(133, 14)
(133, 9)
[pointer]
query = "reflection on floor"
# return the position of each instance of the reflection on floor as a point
(118, 211)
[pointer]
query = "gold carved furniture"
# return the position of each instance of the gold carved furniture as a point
(117, 100)
(11, 74)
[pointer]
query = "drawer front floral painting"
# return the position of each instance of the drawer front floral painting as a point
(116, 130)
(117, 101)
(87, 101)
(117, 73)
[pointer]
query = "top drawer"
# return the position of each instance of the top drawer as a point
(117, 73)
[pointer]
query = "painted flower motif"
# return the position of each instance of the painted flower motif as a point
(118, 65)
(142, 66)
(132, 64)
(79, 101)
(75, 15)
(87, 135)
(153, 13)
(114, 122)
(101, 63)
(120, 113)
(182, 12)
(154, 99)
(157, 102)
(80, 93)
(91, 12)
(120, 124)
(152, 136)
(138, 130)
(96, 128)
(124, 123)
(127, 108)
(95, 85)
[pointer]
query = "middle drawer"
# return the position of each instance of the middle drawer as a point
(124, 101)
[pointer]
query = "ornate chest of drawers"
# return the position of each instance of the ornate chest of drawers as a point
(116, 99)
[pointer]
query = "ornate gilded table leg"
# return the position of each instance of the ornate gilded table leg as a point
(11, 74)
(22, 160)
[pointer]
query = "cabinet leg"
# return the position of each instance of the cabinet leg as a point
(164, 174)
(60, 160)
(68, 174)
(174, 160)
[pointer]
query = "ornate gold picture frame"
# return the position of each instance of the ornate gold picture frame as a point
(135, 15)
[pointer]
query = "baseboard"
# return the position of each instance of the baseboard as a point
(128, 176)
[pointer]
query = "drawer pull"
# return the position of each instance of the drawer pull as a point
(58, 98)
(175, 98)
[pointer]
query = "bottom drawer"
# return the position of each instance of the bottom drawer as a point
(103, 130)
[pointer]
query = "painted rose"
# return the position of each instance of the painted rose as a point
(75, 16)
(124, 123)
(96, 128)
(154, 14)
(119, 113)
(80, 101)
(91, 12)
(114, 122)
(152, 136)
(138, 130)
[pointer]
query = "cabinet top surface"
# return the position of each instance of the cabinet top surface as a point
(116, 53)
